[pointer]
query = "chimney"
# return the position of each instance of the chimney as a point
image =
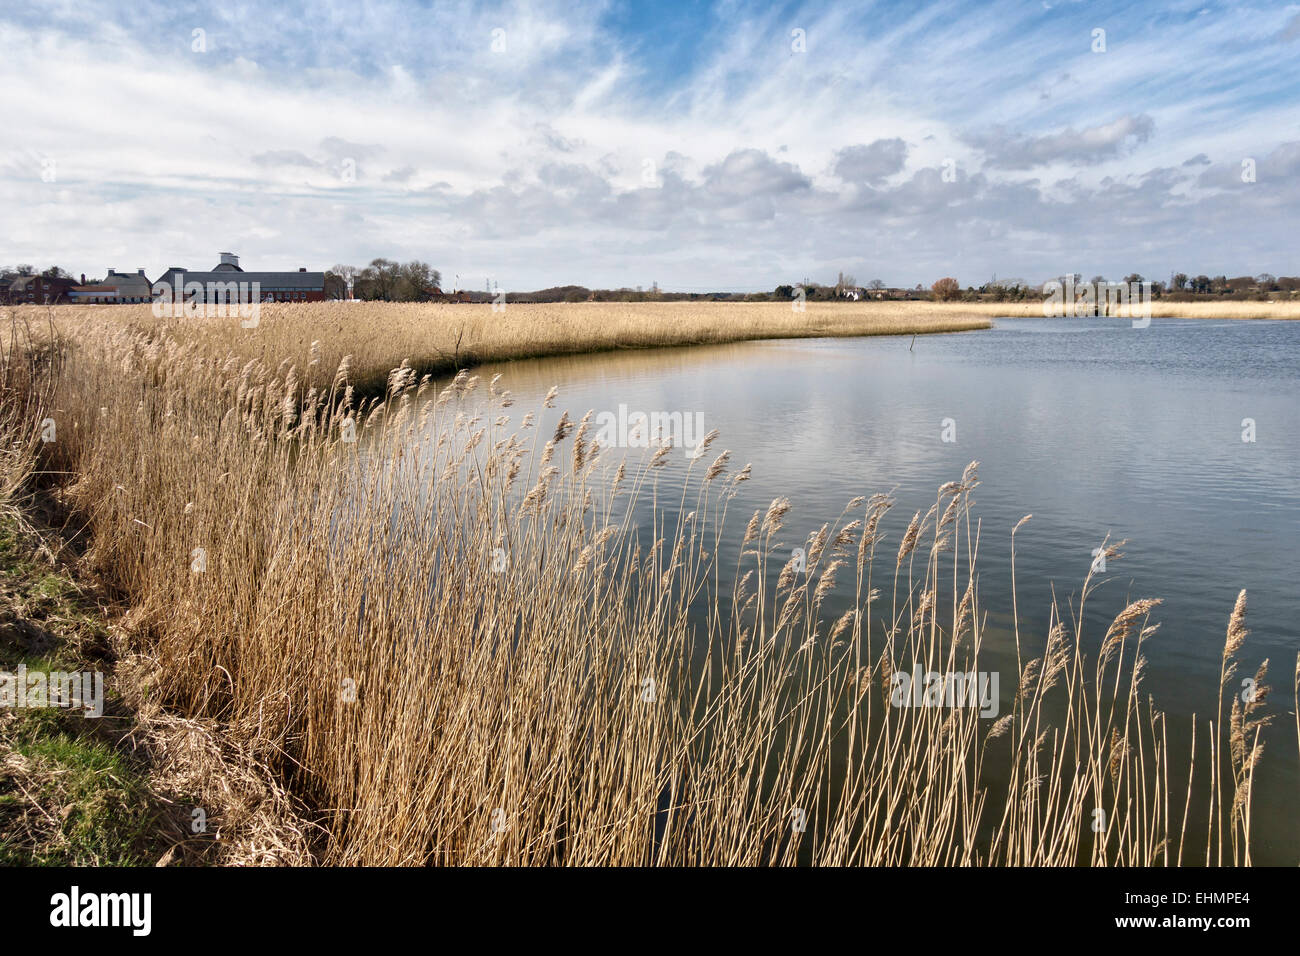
(139, 272)
(302, 268)
(83, 278)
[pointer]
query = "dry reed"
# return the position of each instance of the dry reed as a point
(456, 644)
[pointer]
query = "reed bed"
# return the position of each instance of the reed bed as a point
(28, 375)
(456, 643)
(442, 339)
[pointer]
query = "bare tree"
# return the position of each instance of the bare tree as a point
(946, 288)
(414, 278)
(348, 274)
(380, 278)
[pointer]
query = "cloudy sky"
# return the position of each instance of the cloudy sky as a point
(703, 146)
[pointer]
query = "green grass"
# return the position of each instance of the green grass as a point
(80, 802)
(68, 795)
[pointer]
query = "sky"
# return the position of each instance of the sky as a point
(702, 146)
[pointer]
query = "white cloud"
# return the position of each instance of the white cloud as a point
(322, 135)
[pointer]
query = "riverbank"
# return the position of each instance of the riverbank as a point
(69, 793)
(110, 777)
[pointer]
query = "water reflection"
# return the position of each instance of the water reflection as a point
(1095, 428)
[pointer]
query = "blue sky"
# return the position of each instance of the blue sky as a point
(700, 145)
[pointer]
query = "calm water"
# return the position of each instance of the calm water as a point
(1092, 426)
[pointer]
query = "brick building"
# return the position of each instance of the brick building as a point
(40, 290)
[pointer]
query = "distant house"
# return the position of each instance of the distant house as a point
(40, 290)
(215, 284)
(435, 294)
(119, 288)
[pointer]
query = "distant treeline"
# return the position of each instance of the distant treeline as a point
(416, 281)
(384, 280)
(1180, 288)
(948, 289)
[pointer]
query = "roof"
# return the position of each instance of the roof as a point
(124, 280)
(21, 282)
(268, 281)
